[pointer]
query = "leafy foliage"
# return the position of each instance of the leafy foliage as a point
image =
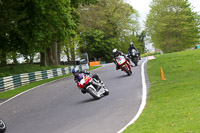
(9, 16)
(31, 26)
(106, 25)
(96, 44)
(28, 27)
(172, 25)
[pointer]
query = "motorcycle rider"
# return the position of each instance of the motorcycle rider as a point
(78, 76)
(131, 46)
(116, 53)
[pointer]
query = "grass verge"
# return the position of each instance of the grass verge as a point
(11, 93)
(173, 105)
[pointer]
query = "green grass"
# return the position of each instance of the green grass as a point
(173, 105)
(26, 68)
(11, 93)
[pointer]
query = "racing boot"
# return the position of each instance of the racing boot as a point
(117, 67)
(101, 82)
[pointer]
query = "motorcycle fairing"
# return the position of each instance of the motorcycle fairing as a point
(120, 60)
(83, 81)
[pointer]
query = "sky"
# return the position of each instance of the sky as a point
(142, 6)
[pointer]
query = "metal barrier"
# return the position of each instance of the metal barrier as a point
(12, 82)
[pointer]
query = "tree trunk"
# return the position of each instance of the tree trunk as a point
(54, 52)
(43, 59)
(68, 56)
(3, 58)
(72, 50)
(50, 60)
(58, 52)
(67, 52)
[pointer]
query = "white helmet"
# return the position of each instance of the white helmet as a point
(114, 50)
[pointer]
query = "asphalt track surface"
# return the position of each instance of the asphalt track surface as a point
(60, 107)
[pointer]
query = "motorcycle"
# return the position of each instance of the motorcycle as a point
(2, 126)
(134, 56)
(91, 85)
(124, 64)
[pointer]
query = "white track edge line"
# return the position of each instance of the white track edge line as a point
(144, 96)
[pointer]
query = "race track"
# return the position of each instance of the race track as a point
(60, 107)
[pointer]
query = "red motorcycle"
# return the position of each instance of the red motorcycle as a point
(124, 64)
(91, 85)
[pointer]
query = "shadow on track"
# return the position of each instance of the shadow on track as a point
(87, 101)
(122, 76)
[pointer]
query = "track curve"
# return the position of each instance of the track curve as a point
(59, 107)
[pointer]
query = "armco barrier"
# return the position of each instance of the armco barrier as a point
(12, 82)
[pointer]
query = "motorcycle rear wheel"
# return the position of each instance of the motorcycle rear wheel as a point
(2, 126)
(93, 93)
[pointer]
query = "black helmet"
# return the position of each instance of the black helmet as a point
(131, 44)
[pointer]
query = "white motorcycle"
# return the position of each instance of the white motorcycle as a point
(91, 85)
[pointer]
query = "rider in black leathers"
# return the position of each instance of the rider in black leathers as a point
(133, 47)
(116, 53)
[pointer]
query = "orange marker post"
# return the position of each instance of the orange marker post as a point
(162, 76)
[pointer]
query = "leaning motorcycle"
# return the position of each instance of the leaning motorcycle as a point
(134, 56)
(124, 64)
(2, 126)
(91, 85)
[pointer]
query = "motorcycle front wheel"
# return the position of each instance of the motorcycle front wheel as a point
(93, 93)
(2, 126)
(127, 71)
(135, 60)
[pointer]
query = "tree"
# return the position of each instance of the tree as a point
(70, 44)
(97, 46)
(107, 20)
(45, 26)
(141, 40)
(172, 25)
(9, 16)
(33, 26)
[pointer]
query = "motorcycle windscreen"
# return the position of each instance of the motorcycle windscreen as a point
(133, 52)
(81, 83)
(81, 79)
